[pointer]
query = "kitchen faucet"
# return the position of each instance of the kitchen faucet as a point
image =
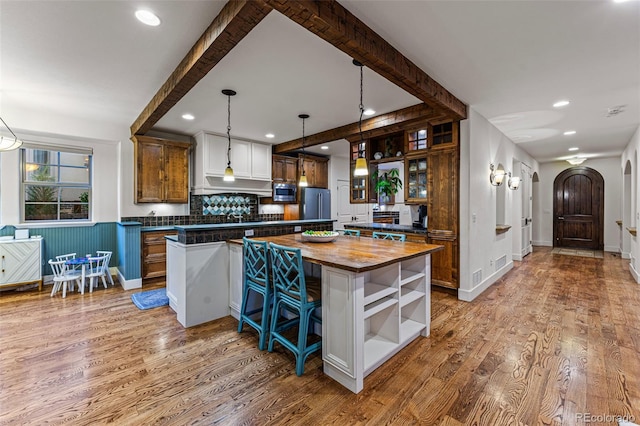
(237, 216)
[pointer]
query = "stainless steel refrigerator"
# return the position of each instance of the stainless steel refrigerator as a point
(315, 203)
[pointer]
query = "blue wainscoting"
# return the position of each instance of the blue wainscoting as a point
(76, 239)
(129, 263)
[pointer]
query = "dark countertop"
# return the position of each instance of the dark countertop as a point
(157, 228)
(214, 226)
(407, 229)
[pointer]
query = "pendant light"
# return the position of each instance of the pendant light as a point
(228, 172)
(361, 163)
(7, 143)
(303, 176)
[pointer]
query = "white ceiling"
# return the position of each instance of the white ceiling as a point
(91, 61)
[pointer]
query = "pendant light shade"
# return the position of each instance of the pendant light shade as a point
(228, 172)
(303, 177)
(9, 143)
(361, 168)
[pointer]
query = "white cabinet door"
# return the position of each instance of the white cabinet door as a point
(240, 158)
(261, 161)
(20, 261)
(215, 152)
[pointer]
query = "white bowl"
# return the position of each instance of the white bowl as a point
(320, 238)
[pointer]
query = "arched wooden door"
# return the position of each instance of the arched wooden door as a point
(578, 207)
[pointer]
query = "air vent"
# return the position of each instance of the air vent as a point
(500, 262)
(477, 277)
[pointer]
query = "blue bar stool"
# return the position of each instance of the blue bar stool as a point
(256, 279)
(389, 236)
(352, 232)
(297, 294)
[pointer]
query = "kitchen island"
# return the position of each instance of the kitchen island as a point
(198, 264)
(375, 299)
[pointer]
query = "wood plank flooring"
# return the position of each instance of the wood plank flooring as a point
(555, 342)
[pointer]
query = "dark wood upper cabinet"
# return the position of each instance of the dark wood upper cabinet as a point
(284, 169)
(316, 169)
(162, 170)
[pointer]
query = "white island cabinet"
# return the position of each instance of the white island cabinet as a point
(21, 262)
(376, 299)
(198, 281)
(250, 161)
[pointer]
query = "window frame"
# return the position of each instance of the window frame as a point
(57, 184)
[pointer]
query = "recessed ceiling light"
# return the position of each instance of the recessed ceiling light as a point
(270, 135)
(574, 148)
(324, 147)
(619, 1)
(569, 132)
(560, 104)
(188, 116)
(147, 17)
(369, 111)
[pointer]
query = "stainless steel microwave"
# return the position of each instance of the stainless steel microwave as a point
(284, 192)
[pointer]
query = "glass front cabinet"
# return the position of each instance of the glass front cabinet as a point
(359, 184)
(416, 178)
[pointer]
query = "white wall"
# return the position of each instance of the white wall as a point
(630, 154)
(611, 172)
(480, 247)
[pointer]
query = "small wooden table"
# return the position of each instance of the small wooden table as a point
(375, 299)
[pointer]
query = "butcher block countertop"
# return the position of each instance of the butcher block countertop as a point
(357, 254)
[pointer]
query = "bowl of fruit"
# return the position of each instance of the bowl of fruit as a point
(319, 236)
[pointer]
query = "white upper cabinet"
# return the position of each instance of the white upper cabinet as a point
(250, 161)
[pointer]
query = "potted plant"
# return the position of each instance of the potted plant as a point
(387, 184)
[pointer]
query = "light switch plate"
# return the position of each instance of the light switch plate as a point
(248, 232)
(297, 229)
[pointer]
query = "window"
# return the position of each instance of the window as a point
(56, 184)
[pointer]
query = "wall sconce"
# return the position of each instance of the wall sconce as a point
(497, 176)
(514, 182)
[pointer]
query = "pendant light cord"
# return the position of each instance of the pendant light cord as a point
(229, 130)
(361, 113)
(303, 146)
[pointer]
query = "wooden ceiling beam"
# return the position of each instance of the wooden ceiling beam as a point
(236, 19)
(333, 23)
(376, 126)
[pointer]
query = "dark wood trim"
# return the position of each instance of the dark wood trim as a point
(336, 25)
(236, 19)
(391, 122)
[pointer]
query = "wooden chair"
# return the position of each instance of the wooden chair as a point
(256, 280)
(107, 270)
(389, 236)
(297, 294)
(63, 277)
(352, 232)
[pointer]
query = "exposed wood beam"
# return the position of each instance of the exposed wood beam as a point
(236, 19)
(372, 127)
(333, 23)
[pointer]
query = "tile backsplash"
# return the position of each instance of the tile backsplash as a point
(216, 208)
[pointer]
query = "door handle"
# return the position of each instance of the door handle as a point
(560, 217)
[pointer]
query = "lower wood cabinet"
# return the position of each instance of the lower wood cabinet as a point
(154, 257)
(21, 262)
(444, 263)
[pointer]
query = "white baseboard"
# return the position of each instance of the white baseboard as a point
(469, 295)
(634, 273)
(517, 256)
(129, 284)
(612, 249)
(542, 243)
(625, 255)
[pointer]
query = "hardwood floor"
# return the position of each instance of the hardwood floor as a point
(555, 341)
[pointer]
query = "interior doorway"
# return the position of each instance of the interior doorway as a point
(578, 207)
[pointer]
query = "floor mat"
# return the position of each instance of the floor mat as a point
(150, 299)
(578, 252)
